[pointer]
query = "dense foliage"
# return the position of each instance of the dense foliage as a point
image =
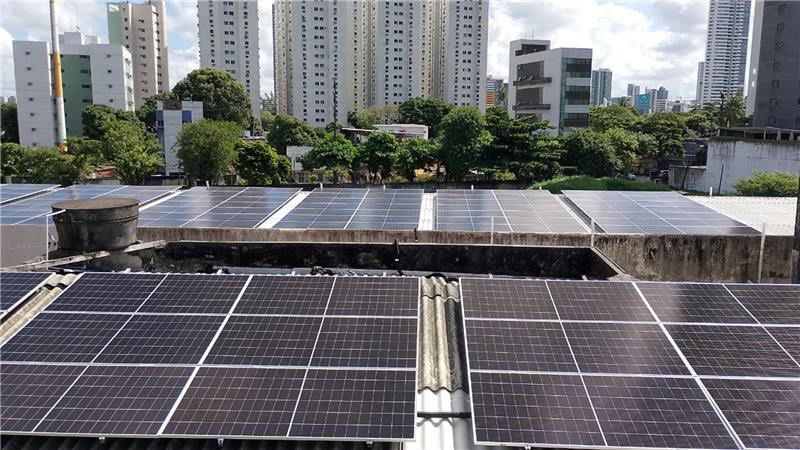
(134, 154)
(9, 126)
(259, 164)
(207, 149)
(767, 184)
(288, 130)
(224, 98)
(332, 152)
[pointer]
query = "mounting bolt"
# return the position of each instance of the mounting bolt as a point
(220, 442)
(102, 439)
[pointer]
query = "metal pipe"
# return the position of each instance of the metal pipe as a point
(61, 123)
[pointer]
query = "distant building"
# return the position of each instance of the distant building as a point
(774, 89)
(601, 87)
(92, 74)
(399, 130)
(726, 49)
(142, 29)
(642, 103)
(12, 99)
(494, 87)
(633, 90)
(550, 84)
(701, 68)
(171, 115)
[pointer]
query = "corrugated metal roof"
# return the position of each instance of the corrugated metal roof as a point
(777, 212)
(25, 312)
(442, 363)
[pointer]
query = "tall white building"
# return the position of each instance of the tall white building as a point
(726, 49)
(141, 28)
(336, 56)
(229, 42)
(701, 70)
(601, 87)
(92, 73)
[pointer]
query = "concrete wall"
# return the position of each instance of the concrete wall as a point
(694, 180)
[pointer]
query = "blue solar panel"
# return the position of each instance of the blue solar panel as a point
(9, 192)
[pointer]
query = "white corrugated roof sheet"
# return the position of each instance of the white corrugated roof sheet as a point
(777, 212)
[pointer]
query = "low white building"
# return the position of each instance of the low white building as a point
(405, 130)
(170, 117)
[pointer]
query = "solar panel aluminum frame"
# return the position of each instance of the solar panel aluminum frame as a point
(51, 188)
(19, 302)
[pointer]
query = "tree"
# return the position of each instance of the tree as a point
(413, 154)
(590, 153)
(259, 164)
(378, 154)
(332, 152)
(96, 118)
(267, 119)
(385, 114)
(463, 137)
(90, 150)
(613, 116)
(288, 130)
(12, 159)
(134, 154)
(147, 112)
(624, 101)
(361, 119)
(223, 97)
(626, 145)
(207, 149)
(764, 184)
(425, 111)
(9, 126)
(50, 165)
(733, 113)
(669, 130)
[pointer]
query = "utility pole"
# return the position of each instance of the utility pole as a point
(796, 246)
(57, 85)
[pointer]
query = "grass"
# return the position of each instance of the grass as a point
(584, 183)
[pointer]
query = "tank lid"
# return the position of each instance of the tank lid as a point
(96, 203)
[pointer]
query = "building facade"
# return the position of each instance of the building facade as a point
(171, 115)
(92, 74)
(494, 88)
(229, 42)
(550, 84)
(333, 57)
(774, 89)
(141, 28)
(633, 90)
(701, 69)
(601, 87)
(726, 49)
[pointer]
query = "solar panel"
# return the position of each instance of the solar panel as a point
(519, 346)
(375, 296)
(503, 211)
(656, 412)
(17, 286)
(29, 391)
(324, 209)
(367, 342)
(598, 301)
(106, 292)
(198, 294)
(117, 400)
(356, 404)
(789, 339)
(654, 213)
(770, 304)
(694, 303)
(763, 413)
(509, 299)
(11, 192)
(217, 207)
(33, 211)
(286, 295)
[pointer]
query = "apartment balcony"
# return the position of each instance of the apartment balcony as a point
(531, 107)
(532, 81)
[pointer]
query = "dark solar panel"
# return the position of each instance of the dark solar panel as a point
(520, 346)
(710, 303)
(200, 294)
(536, 410)
(28, 392)
(367, 342)
(509, 299)
(106, 292)
(15, 286)
(324, 209)
(375, 296)
(266, 341)
(285, 295)
(117, 400)
(642, 412)
(623, 348)
(62, 337)
(238, 401)
(773, 304)
(161, 339)
(789, 339)
(356, 404)
(598, 301)
(764, 413)
(9, 192)
(654, 213)
(387, 209)
(732, 351)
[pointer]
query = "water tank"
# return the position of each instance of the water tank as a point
(107, 223)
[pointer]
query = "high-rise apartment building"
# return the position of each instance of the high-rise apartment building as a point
(336, 56)
(773, 96)
(726, 49)
(601, 87)
(142, 29)
(92, 74)
(701, 69)
(550, 84)
(229, 42)
(494, 87)
(633, 90)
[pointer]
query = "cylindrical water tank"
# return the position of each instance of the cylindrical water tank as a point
(107, 223)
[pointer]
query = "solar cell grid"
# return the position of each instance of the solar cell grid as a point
(387, 209)
(9, 192)
(324, 209)
(117, 400)
(29, 391)
(598, 301)
(200, 294)
(375, 296)
(353, 404)
(518, 346)
(59, 337)
(770, 304)
(656, 412)
(238, 401)
(710, 303)
(285, 295)
(106, 292)
(764, 413)
(15, 286)
(789, 339)
(732, 351)
(367, 342)
(509, 299)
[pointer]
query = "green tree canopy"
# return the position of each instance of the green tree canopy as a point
(378, 154)
(463, 138)
(628, 145)
(425, 111)
(207, 149)
(591, 153)
(224, 98)
(288, 130)
(259, 164)
(97, 117)
(90, 150)
(613, 116)
(333, 152)
(733, 112)
(12, 159)
(9, 126)
(361, 119)
(669, 130)
(267, 119)
(134, 154)
(50, 165)
(413, 154)
(767, 184)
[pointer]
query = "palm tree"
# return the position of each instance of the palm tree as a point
(623, 101)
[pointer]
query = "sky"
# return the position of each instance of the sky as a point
(646, 42)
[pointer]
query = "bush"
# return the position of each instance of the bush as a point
(584, 183)
(51, 165)
(764, 184)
